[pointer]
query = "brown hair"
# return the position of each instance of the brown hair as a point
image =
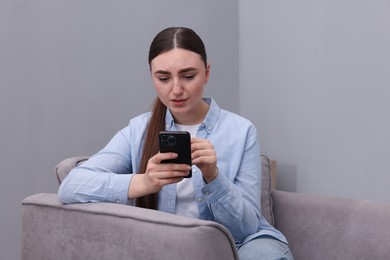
(166, 40)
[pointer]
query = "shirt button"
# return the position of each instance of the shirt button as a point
(118, 201)
(199, 200)
(207, 193)
(194, 170)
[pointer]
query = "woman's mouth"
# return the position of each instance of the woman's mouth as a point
(178, 102)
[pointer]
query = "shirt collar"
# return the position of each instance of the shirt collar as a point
(208, 122)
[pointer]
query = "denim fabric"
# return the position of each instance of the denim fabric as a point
(266, 247)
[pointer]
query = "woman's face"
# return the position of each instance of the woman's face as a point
(179, 77)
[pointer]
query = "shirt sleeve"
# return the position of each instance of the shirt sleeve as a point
(105, 177)
(236, 203)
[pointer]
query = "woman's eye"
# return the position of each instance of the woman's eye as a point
(163, 79)
(190, 76)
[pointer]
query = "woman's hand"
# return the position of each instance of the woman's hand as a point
(157, 175)
(205, 157)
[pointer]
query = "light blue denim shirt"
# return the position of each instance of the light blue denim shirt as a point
(232, 199)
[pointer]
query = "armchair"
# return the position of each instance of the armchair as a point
(52, 230)
(316, 227)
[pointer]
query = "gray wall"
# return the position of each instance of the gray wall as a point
(72, 73)
(315, 79)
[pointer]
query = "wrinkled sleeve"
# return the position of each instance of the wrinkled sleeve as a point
(105, 177)
(236, 205)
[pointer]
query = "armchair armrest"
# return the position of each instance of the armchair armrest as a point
(319, 227)
(52, 230)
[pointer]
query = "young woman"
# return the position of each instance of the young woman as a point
(225, 155)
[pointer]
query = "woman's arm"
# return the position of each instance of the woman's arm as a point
(105, 177)
(236, 204)
(108, 176)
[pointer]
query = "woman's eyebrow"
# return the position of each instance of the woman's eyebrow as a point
(187, 70)
(180, 71)
(162, 72)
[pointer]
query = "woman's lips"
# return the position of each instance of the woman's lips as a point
(178, 102)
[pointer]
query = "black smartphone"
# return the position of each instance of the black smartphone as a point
(177, 142)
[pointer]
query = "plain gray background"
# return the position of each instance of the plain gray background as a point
(314, 77)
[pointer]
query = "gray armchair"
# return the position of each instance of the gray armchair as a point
(316, 228)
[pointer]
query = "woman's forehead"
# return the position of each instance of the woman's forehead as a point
(177, 59)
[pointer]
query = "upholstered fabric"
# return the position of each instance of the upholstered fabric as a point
(316, 227)
(333, 228)
(63, 168)
(52, 230)
(266, 199)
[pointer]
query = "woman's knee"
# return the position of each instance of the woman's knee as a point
(264, 248)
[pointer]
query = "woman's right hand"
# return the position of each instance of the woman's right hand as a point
(157, 175)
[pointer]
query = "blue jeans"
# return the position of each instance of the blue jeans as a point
(266, 248)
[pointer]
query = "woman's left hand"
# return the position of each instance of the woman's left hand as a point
(205, 157)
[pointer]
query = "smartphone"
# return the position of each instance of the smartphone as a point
(177, 142)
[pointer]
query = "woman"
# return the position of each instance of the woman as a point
(225, 155)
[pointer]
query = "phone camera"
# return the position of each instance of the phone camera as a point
(171, 139)
(168, 140)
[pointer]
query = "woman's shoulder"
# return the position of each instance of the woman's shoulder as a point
(227, 118)
(137, 125)
(236, 119)
(140, 120)
(134, 131)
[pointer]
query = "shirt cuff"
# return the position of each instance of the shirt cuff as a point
(216, 189)
(118, 189)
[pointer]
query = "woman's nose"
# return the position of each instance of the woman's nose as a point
(177, 89)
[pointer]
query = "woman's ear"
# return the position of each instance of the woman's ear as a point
(207, 76)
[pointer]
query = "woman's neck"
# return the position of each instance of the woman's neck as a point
(196, 117)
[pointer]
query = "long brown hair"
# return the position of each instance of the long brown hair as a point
(166, 40)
